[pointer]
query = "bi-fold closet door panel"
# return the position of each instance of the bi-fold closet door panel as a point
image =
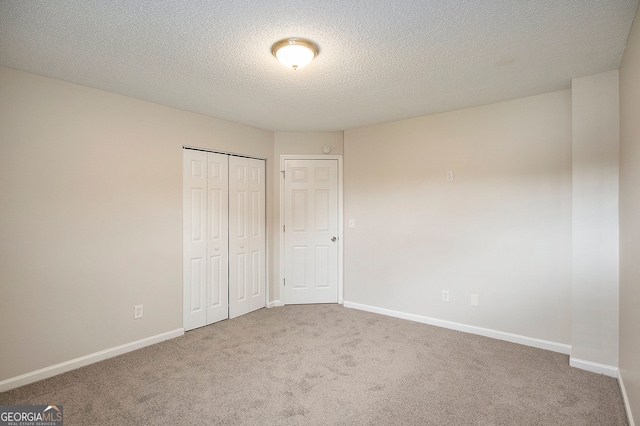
(205, 238)
(224, 242)
(247, 243)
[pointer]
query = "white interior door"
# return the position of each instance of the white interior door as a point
(205, 238)
(247, 242)
(311, 231)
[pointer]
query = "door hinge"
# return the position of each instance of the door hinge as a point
(283, 174)
(283, 226)
(284, 281)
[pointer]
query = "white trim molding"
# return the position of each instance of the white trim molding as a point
(486, 332)
(594, 367)
(63, 367)
(274, 304)
(625, 397)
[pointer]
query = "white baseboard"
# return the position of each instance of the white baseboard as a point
(495, 334)
(594, 367)
(274, 304)
(625, 397)
(63, 367)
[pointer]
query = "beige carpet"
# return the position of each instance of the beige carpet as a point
(327, 365)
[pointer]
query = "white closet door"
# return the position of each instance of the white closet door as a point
(246, 235)
(205, 238)
(218, 238)
(194, 268)
(257, 238)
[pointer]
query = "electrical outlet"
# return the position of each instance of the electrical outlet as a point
(449, 175)
(445, 295)
(137, 312)
(474, 300)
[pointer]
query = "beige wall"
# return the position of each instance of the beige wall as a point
(298, 143)
(501, 229)
(595, 164)
(91, 216)
(630, 219)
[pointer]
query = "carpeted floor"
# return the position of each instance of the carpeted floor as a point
(328, 365)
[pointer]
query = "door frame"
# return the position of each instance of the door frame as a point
(283, 158)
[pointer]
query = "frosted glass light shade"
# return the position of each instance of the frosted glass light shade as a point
(294, 52)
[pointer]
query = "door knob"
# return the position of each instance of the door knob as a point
(334, 239)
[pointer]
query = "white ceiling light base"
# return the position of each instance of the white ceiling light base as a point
(295, 52)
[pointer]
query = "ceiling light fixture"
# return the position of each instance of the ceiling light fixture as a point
(294, 52)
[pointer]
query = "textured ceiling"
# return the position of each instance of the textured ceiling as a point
(379, 61)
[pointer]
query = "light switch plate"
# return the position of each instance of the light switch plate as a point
(137, 312)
